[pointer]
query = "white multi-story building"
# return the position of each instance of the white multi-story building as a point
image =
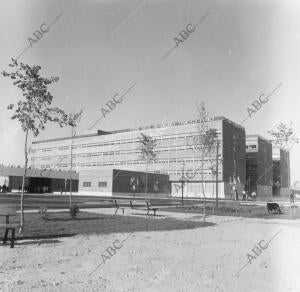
(175, 154)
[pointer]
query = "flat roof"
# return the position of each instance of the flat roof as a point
(101, 133)
(259, 137)
(35, 172)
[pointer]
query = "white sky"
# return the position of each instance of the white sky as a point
(99, 48)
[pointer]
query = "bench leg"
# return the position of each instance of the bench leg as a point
(5, 235)
(116, 211)
(12, 241)
(123, 210)
(147, 213)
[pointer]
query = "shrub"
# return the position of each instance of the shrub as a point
(74, 210)
(43, 212)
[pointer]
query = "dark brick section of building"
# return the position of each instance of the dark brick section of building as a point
(281, 172)
(108, 182)
(259, 174)
(234, 154)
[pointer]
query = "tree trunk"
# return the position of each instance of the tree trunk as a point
(23, 182)
(217, 177)
(203, 192)
(71, 166)
(146, 177)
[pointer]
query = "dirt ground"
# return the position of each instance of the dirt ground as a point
(218, 257)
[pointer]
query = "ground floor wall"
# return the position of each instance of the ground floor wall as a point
(195, 189)
(42, 185)
(264, 191)
(279, 191)
(123, 194)
(15, 183)
(63, 185)
(114, 181)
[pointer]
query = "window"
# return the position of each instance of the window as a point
(102, 184)
(87, 184)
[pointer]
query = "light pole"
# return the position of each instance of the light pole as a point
(182, 183)
(71, 166)
(217, 172)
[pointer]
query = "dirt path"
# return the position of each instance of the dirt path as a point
(203, 259)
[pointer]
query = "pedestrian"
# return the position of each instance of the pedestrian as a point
(292, 197)
(253, 194)
(232, 192)
(236, 195)
(244, 195)
(61, 191)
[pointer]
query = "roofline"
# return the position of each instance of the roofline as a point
(258, 137)
(64, 138)
(136, 129)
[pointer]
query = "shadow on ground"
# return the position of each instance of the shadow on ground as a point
(62, 225)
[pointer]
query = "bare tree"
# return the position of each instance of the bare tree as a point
(205, 143)
(285, 138)
(73, 121)
(147, 148)
(34, 110)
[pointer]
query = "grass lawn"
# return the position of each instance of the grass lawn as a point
(61, 224)
(248, 211)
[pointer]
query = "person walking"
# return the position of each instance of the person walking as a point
(236, 195)
(292, 197)
(244, 195)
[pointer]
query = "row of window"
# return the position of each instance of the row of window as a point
(112, 153)
(129, 162)
(176, 171)
(250, 146)
(88, 184)
(116, 142)
(138, 162)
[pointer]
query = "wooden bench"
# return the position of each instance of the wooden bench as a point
(147, 207)
(7, 211)
(150, 208)
(117, 207)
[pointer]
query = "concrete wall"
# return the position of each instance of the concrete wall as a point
(264, 191)
(119, 181)
(94, 177)
(284, 192)
(194, 189)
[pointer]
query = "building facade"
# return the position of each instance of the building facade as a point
(38, 180)
(281, 171)
(259, 164)
(118, 182)
(175, 154)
